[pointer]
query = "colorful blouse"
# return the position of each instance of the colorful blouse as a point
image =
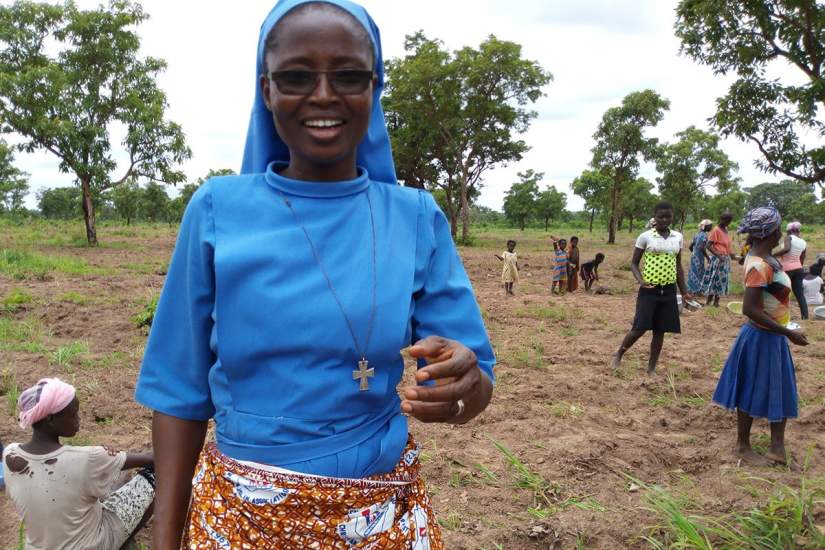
(776, 286)
(720, 242)
(659, 256)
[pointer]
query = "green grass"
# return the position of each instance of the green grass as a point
(784, 519)
(145, 317)
(563, 409)
(15, 300)
(10, 390)
(21, 335)
(29, 265)
(554, 313)
(542, 490)
(450, 522)
(696, 401)
(74, 298)
(66, 356)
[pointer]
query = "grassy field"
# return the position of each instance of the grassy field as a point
(569, 454)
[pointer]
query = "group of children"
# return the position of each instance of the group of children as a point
(565, 267)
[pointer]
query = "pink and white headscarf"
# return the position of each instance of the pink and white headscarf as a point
(794, 226)
(48, 396)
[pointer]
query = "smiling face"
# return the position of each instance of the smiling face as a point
(322, 128)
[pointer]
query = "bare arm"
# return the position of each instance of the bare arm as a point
(634, 265)
(499, 257)
(680, 276)
(177, 444)
(755, 311)
(786, 247)
(138, 460)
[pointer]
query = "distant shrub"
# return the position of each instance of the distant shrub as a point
(145, 317)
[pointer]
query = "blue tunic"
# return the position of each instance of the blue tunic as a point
(247, 331)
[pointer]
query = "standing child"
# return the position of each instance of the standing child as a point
(573, 265)
(509, 271)
(63, 493)
(559, 266)
(759, 379)
(590, 271)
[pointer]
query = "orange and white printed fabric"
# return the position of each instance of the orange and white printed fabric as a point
(237, 506)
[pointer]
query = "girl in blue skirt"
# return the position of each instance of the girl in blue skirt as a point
(758, 379)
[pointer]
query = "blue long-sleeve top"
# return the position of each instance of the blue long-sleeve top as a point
(247, 331)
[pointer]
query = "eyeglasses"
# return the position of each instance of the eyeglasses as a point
(302, 82)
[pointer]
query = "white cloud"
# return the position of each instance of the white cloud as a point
(597, 50)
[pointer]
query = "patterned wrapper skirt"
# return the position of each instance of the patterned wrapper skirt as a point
(717, 277)
(759, 377)
(236, 506)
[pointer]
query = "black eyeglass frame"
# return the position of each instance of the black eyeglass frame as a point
(359, 86)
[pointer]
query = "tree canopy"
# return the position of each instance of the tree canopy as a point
(14, 183)
(621, 144)
(452, 116)
(67, 76)
(745, 37)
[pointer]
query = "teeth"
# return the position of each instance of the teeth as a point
(322, 123)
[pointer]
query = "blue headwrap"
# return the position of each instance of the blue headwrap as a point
(263, 144)
(760, 222)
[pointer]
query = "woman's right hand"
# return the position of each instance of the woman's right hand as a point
(798, 338)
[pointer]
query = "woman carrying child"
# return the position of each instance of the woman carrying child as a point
(758, 380)
(699, 257)
(66, 495)
(716, 281)
(590, 271)
(509, 271)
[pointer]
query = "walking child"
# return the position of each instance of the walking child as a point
(509, 270)
(66, 495)
(559, 266)
(590, 271)
(758, 379)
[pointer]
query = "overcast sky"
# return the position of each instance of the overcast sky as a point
(597, 50)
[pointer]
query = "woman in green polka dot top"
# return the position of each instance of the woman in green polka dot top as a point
(657, 309)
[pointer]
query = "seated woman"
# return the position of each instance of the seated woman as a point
(64, 494)
(812, 285)
(290, 293)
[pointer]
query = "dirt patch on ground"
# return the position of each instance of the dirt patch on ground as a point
(577, 427)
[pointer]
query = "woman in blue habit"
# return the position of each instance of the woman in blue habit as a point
(291, 291)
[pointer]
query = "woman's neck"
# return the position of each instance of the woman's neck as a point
(42, 443)
(301, 169)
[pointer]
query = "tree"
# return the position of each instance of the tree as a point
(154, 202)
(690, 167)
(67, 76)
(638, 201)
(594, 187)
(14, 184)
(61, 203)
(732, 200)
(177, 206)
(550, 204)
(520, 199)
(621, 143)
(748, 38)
(452, 116)
(126, 199)
(792, 199)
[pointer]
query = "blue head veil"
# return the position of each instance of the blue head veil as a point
(263, 144)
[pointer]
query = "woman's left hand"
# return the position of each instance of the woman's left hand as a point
(454, 368)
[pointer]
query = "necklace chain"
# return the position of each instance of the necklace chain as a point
(329, 280)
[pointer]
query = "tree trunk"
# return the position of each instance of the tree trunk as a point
(630, 224)
(592, 215)
(453, 224)
(521, 224)
(614, 205)
(89, 213)
(546, 224)
(465, 213)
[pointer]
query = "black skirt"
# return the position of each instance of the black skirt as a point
(657, 310)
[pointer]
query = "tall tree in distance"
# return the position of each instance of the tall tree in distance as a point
(690, 167)
(621, 144)
(550, 205)
(638, 201)
(67, 76)
(593, 186)
(453, 116)
(746, 38)
(520, 199)
(14, 183)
